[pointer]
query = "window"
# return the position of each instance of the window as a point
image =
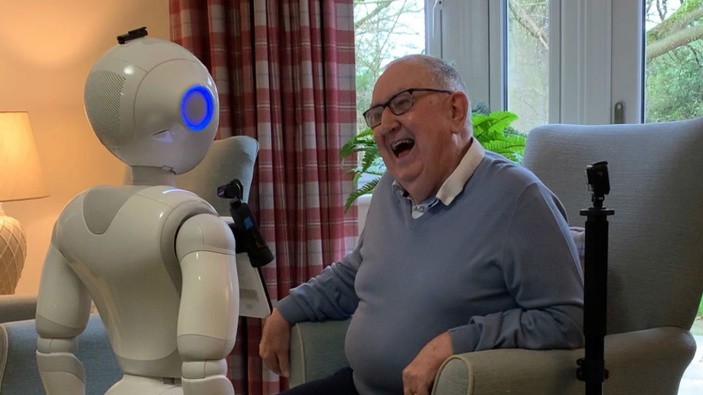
(673, 60)
(590, 62)
(384, 30)
(528, 62)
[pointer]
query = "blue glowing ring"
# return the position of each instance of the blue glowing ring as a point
(195, 93)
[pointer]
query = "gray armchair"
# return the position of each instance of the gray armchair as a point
(228, 158)
(655, 274)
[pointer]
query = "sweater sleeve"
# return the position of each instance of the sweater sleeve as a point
(541, 270)
(329, 295)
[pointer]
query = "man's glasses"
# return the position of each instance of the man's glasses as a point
(399, 104)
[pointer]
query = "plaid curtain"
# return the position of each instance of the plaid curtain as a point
(285, 74)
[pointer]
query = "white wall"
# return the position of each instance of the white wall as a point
(47, 48)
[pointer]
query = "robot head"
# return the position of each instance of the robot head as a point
(152, 103)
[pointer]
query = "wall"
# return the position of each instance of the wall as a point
(47, 48)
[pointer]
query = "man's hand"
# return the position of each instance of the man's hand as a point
(418, 377)
(275, 344)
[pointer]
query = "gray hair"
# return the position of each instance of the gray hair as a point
(443, 74)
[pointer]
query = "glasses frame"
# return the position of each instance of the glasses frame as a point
(391, 107)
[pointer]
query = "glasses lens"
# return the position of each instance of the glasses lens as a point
(373, 116)
(401, 103)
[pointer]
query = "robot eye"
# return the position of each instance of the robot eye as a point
(197, 107)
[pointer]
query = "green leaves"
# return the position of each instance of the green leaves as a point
(494, 133)
(491, 129)
(370, 162)
(366, 188)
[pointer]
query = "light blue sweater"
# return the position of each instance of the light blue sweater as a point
(497, 268)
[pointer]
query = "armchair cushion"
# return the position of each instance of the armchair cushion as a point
(229, 158)
(316, 350)
(18, 365)
(656, 235)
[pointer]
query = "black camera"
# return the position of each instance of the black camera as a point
(245, 229)
(233, 190)
(598, 182)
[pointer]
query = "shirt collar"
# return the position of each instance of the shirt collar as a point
(454, 184)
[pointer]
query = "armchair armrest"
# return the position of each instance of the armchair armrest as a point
(644, 362)
(316, 350)
(17, 307)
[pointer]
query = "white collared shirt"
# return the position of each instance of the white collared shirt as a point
(453, 185)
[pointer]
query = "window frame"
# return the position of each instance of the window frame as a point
(594, 47)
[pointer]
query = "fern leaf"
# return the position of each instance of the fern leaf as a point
(366, 188)
(360, 142)
(491, 126)
(510, 146)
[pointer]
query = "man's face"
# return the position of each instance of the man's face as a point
(418, 147)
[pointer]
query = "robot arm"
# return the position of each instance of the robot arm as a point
(208, 315)
(63, 309)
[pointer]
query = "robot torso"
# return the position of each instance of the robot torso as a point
(120, 241)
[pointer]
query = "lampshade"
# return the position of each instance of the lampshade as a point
(20, 178)
(20, 171)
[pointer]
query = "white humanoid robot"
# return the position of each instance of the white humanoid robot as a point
(157, 261)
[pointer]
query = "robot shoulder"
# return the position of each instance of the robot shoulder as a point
(99, 205)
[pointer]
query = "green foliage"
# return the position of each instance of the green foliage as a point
(674, 84)
(491, 129)
(371, 162)
(492, 132)
(674, 22)
(674, 55)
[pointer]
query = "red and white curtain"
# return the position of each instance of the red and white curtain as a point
(284, 70)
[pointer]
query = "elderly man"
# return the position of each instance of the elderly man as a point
(462, 250)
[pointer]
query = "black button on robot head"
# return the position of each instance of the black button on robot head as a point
(132, 34)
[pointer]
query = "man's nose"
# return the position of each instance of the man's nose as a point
(389, 121)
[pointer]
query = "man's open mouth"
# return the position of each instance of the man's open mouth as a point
(401, 146)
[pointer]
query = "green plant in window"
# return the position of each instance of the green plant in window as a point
(491, 129)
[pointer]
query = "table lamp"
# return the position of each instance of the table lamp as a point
(20, 178)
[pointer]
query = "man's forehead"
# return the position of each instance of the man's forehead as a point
(397, 78)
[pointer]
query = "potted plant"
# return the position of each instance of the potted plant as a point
(491, 129)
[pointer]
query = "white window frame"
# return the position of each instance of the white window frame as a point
(596, 54)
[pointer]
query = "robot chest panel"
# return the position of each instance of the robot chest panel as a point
(139, 234)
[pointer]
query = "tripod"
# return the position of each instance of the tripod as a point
(592, 367)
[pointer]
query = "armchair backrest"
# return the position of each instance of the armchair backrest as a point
(655, 255)
(228, 158)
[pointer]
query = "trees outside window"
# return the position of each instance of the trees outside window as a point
(528, 62)
(672, 64)
(673, 60)
(384, 30)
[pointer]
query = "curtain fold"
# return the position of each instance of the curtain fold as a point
(285, 75)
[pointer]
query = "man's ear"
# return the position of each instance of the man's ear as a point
(460, 111)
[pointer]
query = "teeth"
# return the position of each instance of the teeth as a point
(399, 142)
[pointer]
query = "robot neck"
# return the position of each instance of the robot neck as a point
(143, 175)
